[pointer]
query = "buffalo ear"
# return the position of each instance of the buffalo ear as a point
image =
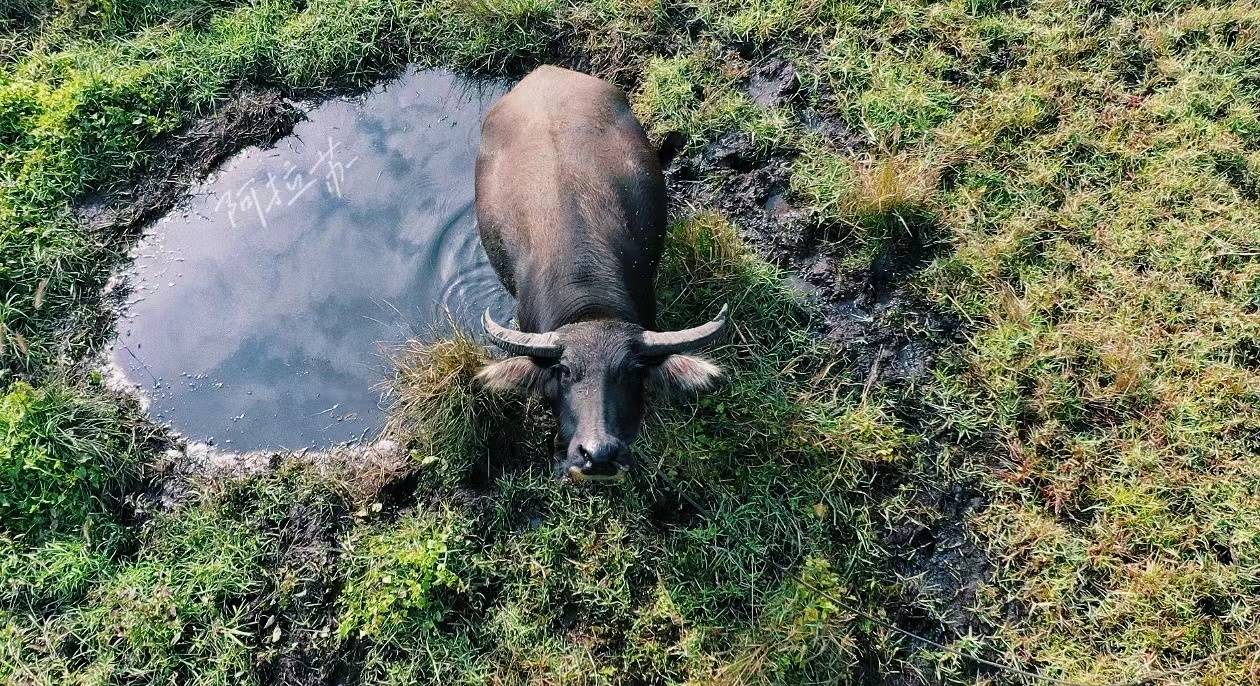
(684, 374)
(513, 374)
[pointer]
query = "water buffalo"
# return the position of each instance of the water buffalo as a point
(570, 204)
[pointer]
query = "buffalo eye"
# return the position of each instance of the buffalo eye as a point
(563, 372)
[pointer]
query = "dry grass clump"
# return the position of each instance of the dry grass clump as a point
(869, 205)
(438, 409)
(867, 190)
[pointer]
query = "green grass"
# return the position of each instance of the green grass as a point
(398, 575)
(177, 609)
(695, 96)
(204, 594)
(1088, 174)
(65, 458)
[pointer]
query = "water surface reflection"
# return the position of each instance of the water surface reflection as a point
(261, 308)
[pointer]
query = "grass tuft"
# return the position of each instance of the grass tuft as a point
(868, 192)
(691, 97)
(448, 421)
(65, 459)
(397, 577)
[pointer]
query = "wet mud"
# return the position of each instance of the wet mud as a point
(299, 643)
(248, 118)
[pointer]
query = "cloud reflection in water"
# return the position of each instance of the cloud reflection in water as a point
(264, 304)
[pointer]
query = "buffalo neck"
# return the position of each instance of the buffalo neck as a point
(577, 291)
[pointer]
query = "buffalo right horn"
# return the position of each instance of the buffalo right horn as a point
(519, 342)
(660, 343)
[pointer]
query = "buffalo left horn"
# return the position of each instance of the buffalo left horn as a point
(660, 343)
(519, 342)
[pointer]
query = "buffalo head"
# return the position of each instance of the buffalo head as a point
(595, 374)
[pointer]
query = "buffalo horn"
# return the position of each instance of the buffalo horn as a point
(657, 343)
(519, 342)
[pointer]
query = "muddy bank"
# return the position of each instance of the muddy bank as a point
(248, 118)
(752, 188)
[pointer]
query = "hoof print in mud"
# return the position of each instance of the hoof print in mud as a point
(773, 83)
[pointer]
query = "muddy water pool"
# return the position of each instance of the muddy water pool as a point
(261, 312)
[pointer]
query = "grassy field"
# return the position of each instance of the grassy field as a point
(1064, 192)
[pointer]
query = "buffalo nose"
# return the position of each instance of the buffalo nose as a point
(599, 452)
(602, 458)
